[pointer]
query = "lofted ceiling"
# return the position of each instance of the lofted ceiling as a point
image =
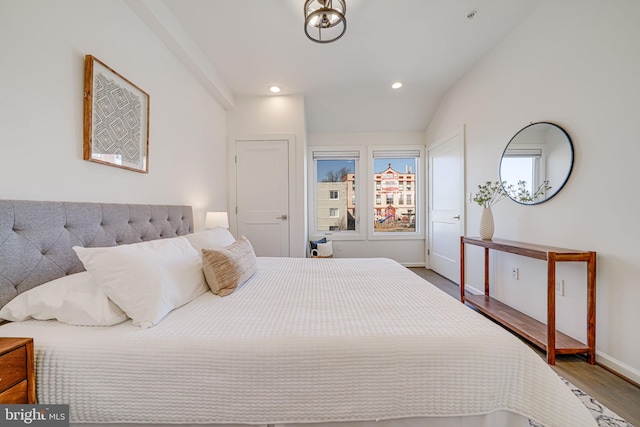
(428, 45)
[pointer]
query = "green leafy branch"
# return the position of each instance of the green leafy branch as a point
(491, 193)
(524, 196)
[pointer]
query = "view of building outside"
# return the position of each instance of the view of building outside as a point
(395, 196)
(335, 191)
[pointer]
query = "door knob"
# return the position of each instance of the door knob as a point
(282, 217)
(456, 217)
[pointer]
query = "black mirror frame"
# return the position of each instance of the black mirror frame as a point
(568, 172)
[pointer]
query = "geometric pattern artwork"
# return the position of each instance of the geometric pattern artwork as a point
(116, 120)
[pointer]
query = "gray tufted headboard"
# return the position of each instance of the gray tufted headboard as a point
(36, 237)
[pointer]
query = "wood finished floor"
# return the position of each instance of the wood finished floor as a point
(619, 395)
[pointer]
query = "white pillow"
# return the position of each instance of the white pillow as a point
(216, 238)
(75, 299)
(325, 249)
(149, 279)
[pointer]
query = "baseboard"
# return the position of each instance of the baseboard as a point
(413, 264)
(619, 368)
(609, 363)
(473, 290)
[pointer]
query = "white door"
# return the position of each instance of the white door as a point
(262, 195)
(446, 205)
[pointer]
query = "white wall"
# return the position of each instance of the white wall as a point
(262, 117)
(575, 64)
(277, 116)
(409, 252)
(43, 44)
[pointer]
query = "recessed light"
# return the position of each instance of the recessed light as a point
(396, 85)
(275, 89)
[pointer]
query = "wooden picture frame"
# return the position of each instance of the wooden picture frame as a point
(116, 119)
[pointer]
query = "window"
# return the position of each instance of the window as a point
(335, 193)
(391, 177)
(524, 167)
(396, 171)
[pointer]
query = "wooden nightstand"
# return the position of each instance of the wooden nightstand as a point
(17, 374)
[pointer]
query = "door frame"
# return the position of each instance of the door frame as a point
(232, 187)
(460, 133)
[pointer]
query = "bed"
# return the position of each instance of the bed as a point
(334, 342)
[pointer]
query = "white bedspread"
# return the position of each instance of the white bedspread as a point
(304, 340)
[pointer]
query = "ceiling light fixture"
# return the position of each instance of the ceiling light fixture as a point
(324, 23)
(275, 89)
(396, 85)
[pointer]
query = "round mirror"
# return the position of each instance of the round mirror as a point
(536, 163)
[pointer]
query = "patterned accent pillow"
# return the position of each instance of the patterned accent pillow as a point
(227, 268)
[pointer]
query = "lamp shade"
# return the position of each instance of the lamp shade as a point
(216, 219)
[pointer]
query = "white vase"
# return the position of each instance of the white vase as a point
(486, 224)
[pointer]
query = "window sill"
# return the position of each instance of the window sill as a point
(337, 236)
(397, 236)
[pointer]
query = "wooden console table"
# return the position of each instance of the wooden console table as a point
(542, 335)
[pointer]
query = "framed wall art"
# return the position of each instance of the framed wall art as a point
(116, 119)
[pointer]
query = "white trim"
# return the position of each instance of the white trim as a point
(349, 151)
(380, 151)
(618, 366)
(473, 290)
(413, 264)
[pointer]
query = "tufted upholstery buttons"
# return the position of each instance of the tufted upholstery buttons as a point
(86, 224)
